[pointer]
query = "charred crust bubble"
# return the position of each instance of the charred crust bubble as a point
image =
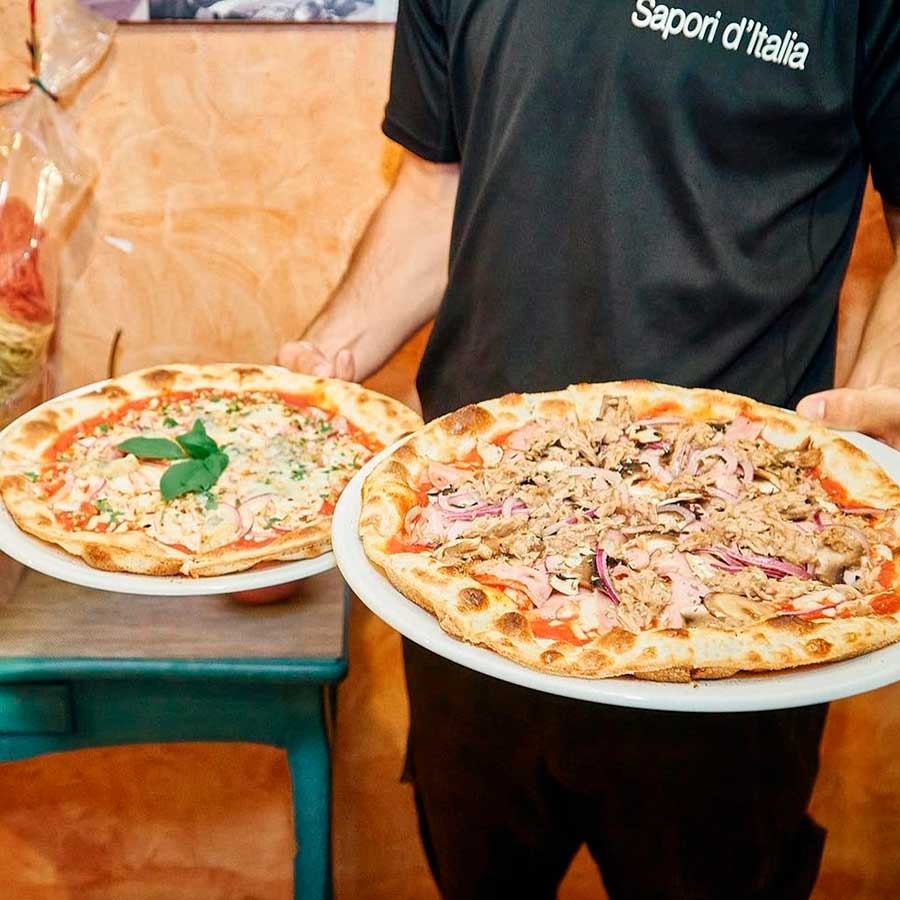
(549, 657)
(471, 600)
(618, 640)
(248, 371)
(817, 647)
(593, 660)
(159, 378)
(468, 420)
(510, 399)
(112, 392)
(512, 624)
(38, 430)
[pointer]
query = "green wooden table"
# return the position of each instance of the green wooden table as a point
(82, 668)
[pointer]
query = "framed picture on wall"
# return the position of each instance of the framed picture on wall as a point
(247, 10)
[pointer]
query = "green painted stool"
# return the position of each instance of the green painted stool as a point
(82, 668)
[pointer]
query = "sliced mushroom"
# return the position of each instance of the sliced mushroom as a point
(735, 606)
(566, 586)
(771, 483)
(643, 434)
(683, 497)
(697, 615)
(459, 547)
(831, 563)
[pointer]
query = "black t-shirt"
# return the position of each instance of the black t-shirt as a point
(664, 192)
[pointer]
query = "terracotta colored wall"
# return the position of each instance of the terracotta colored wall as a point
(240, 165)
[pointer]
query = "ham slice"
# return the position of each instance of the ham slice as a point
(534, 583)
(744, 429)
(687, 589)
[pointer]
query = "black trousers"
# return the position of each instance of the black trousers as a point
(673, 806)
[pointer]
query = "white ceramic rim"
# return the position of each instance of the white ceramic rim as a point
(745, 693)
(57, 563)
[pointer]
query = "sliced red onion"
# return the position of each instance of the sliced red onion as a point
(600, 560)
(550, 530)
(727, 496)
(249, 508)
(776, 568)
(687, 514)
(748, 471)
(94, 486)
(659, 445)
(509, 507)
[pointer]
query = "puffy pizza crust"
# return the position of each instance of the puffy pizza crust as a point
(23, 444)
(487, 617)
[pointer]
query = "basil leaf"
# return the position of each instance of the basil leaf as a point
(197, 442)
(152, 448)
(192, 476)
(216, 463)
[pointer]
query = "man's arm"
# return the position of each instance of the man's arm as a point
(871, 401)
(394, 282)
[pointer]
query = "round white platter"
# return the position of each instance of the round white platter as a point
(55, 562)
(744, 693)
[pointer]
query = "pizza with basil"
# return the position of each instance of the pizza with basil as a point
(636, 528)
(193, 470)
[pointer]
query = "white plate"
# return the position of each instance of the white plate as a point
(54, 561)
(800, 687)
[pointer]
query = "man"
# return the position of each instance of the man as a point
(636, 190)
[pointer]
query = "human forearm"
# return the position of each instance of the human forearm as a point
(395, 279)
(878, 358)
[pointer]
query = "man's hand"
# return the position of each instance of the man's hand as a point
(874, 411)
(871, 401)
(306, 357)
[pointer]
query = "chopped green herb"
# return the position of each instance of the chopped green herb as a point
(233, 428)
(31, 476)
(233, 407)
(103, 428)
(169, 422)
(211, 502)
(325, 427)
(215, 399)
(299, 473)
(105, 509)
(271, 521)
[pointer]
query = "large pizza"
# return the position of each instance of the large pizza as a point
(635, 528)
(193, 470)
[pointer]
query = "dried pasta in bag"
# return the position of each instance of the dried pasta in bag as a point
(46, 48)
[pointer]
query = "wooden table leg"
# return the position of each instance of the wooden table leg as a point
(310, 766)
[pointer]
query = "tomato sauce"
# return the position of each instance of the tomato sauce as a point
(562, 631)
(397, 545)
(886, 603)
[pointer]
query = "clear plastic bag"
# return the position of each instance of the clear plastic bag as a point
(47, 48)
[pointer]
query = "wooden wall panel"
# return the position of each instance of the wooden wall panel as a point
(239, 166)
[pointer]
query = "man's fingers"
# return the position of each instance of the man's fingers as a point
(345, 366)
(302, 356)
(306, 357)
(874, 411)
